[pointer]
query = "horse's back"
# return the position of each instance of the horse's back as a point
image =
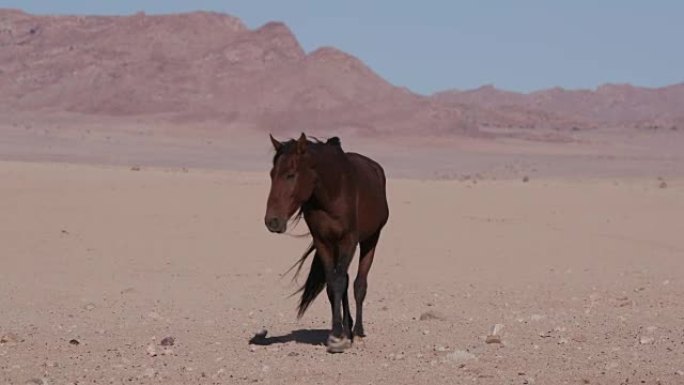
(372, 207)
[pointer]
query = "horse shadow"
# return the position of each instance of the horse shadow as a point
(301, 336)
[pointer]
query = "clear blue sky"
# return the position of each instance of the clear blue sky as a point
(433, 45)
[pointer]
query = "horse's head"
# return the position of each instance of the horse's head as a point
(292, 182)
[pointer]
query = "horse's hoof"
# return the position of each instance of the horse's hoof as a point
(337, 344)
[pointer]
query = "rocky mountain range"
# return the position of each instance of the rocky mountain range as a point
(203, 66)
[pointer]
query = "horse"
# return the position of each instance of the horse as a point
(342, 197)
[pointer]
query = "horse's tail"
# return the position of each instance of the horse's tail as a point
(315, 282)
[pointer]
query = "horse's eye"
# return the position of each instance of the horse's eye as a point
(290, 176)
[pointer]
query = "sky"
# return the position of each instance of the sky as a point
(433, 45)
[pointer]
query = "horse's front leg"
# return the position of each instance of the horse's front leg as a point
(336, 261)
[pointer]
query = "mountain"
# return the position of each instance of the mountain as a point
(204, 66)
(201, 66)
(608, 105)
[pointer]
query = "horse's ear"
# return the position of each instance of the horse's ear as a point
(301, 144)
(335, 141)
(276, 144)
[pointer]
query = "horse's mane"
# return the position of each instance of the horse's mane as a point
(288, 145)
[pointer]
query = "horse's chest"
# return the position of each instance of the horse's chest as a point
(323, 225)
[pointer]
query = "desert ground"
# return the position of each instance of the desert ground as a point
(114, 240)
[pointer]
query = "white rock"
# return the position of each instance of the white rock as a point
(154, 315)
(151, 350)
(459, 356)
(149, 372)
(646, 340)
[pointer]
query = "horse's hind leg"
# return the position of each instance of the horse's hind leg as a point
(347, 320)
(367, 252)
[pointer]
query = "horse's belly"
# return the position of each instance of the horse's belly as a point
(372, 216)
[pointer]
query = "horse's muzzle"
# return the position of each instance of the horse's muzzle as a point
(276, 225)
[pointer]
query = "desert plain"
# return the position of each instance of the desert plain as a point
(576, 249)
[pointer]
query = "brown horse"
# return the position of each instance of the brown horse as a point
(342, 197)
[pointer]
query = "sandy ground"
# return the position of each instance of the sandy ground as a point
(100, 263)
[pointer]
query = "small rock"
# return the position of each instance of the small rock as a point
(662, 184)
(495, 335)
(493, 339)
(149, 372)
(562, 341)
(426, 332)
(292, 354)
(151, 351)
(154, 315)
(168, 341)
(440, 348)
(431, 315)
(459, 356)
(252, 348)
(545, 334)
(644, 340)
(10, 338)
(526, 179)
(536, 317)
(579, 338)
(128, 290)
(135, 168)
(680, 372)
(74, 342)
(36, 381)
(261, 333)
(89, 306)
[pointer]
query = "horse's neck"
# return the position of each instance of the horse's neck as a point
(333, 173)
